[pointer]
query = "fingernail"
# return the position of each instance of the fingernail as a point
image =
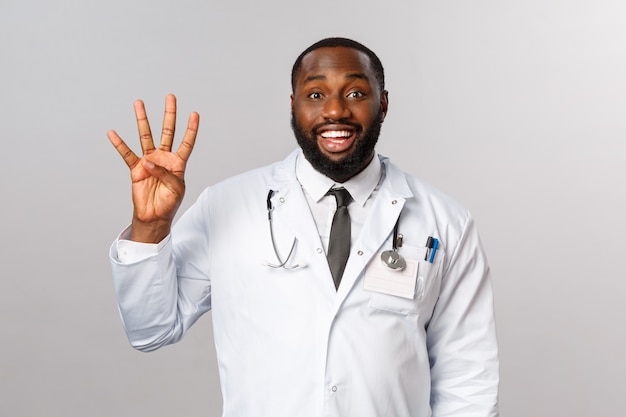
(148, 164)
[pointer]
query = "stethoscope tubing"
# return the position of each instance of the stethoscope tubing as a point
(391, 258)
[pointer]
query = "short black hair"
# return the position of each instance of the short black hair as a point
(377, 66)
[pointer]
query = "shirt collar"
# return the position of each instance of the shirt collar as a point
(317, 185)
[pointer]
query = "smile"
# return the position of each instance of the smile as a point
(336, 134)
(336, 139)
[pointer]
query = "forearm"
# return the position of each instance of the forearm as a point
(147, 299)
(152, 232)
(158, 298)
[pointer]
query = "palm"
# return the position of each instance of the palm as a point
(152, 198)
(158, 176)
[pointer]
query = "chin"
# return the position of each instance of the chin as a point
(339, 166)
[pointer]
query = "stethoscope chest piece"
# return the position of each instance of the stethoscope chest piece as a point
(393, 260)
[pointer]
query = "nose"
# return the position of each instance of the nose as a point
(335, 108)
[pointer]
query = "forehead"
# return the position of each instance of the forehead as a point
(333, 61)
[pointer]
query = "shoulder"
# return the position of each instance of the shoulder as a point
(249, 184)
(424, 195)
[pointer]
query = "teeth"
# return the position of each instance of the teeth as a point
(336, 134)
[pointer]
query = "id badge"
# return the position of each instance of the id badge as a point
(380, 278)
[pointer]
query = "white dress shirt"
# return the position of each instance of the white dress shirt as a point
(361, 187)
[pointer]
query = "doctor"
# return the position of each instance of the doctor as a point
(405, 330)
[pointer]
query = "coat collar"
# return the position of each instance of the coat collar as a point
(283, 177)
(360, 187)
(390, 199)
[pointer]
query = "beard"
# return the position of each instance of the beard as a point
(351, 164)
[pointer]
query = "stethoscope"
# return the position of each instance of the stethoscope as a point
(281, 263)
(391, 258)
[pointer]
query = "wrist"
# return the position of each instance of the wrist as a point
(149, 232)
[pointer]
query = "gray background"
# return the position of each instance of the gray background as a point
(516, 108)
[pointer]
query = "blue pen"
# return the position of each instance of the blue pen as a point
(432, 253)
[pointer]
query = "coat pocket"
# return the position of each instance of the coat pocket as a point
(425, 284)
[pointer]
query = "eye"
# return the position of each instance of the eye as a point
(315, 96)
(356, 94)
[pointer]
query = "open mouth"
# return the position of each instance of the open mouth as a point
(337, 139)
(336, 134)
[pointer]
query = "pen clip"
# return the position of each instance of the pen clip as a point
(429, 246)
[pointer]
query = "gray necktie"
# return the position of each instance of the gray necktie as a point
(339, 244)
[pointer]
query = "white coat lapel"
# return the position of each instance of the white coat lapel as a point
(291, 210)
(378, 227)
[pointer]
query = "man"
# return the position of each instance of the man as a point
(403, 327)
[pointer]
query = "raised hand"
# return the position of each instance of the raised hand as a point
(158, 184)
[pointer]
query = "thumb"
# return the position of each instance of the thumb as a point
(171, 181)
(149, 165)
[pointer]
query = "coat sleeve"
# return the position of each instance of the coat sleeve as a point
(159, 297)
(461, 334)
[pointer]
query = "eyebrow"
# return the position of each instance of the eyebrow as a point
(321, 77)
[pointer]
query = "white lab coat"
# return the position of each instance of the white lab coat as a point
(288, 344)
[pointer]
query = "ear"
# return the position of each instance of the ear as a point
(384, 102)
(292, 100)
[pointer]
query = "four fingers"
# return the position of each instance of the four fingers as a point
(167, 133)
